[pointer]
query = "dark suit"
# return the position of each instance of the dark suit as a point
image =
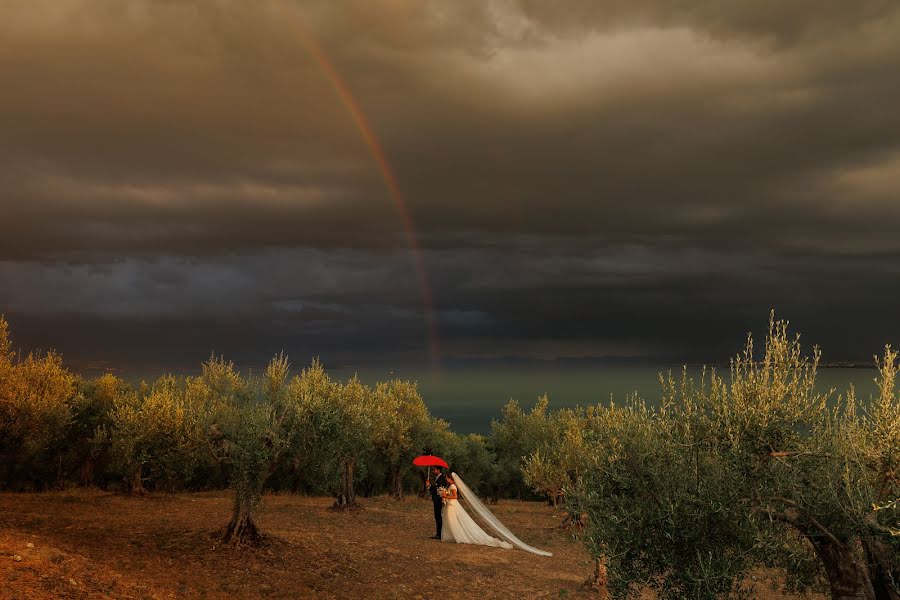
(439, 481)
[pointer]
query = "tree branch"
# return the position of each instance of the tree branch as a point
(794, 454)
(826, 533)
(795, 521)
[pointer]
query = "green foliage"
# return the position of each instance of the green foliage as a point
(86, 442)
(469, 455)
(515, 437)
(335, 431)
(556, 465)
(401, 428)
(319, 426)
(35, 396)
(156, 434)
(760, 469)
(249, 423)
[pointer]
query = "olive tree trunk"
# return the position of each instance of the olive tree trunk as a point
(136, 484)
(347, 497)
(242, 529)
(844, 563)
(847, 573)
(423, 489)
(884, 580)
(597, 582)
(397, 483)
(87, 472)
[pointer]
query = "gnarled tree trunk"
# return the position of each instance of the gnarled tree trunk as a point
(242, 528)
(136, 485)
(397, 483)
(423, 490)
(848, 574)
(845, 564)
(883, 579)
(347, 497)
(87, 472)
(597, 583)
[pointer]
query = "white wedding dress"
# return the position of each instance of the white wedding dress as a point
(459, 527)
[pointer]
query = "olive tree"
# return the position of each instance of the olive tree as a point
(251, 423)
(401, 428)
(335, 422)
(470, 456)
(761, 468)
(87, 438)
(355, 409)
(556, 465)
(515, 437)
(156, 434)
(35, 396)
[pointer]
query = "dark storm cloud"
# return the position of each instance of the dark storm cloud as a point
(643, 178)
(769, 20)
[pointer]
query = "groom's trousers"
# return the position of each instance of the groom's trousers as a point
(438, 521)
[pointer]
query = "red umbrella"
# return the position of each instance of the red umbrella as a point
(430, 461)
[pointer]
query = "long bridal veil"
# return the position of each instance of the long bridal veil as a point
(488, 517)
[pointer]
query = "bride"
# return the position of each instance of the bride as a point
(461, 528)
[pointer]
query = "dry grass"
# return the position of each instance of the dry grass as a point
(90, 544)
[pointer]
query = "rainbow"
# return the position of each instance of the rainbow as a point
(356, 113)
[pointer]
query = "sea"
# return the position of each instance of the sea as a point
(470, 398)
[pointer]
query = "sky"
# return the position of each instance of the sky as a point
(578, 180)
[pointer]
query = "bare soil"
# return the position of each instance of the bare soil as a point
(88, 544)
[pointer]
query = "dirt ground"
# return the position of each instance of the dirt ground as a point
(90, 545)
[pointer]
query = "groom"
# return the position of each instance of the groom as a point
(439, 481)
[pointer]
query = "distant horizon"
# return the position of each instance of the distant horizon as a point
(508, 363)
(469, 398)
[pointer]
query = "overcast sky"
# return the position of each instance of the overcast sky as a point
(639, 178)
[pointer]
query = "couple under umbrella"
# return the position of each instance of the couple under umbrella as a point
(452, 522)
